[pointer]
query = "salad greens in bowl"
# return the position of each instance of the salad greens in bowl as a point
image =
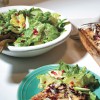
(24, 28)
(64, 81)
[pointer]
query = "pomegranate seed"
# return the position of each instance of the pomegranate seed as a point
(35, 32)
(22, 34)
(18, 21)
(44, 82)
(24, 25)
(53, 72)
(96, 37)
(71, 82)
(63, 71)
(16, 14)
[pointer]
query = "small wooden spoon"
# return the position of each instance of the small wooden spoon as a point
(3, 43)
(6, 36)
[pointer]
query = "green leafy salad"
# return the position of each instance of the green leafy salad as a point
(30, 27)
(78, 80)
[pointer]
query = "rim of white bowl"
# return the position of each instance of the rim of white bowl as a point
(40, 46)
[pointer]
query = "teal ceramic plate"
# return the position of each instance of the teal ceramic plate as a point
(29, 86)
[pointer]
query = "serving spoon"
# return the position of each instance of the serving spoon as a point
(3, 43)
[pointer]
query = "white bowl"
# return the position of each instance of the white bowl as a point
(37, 49)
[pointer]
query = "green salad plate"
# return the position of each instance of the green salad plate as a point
(29, 85)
